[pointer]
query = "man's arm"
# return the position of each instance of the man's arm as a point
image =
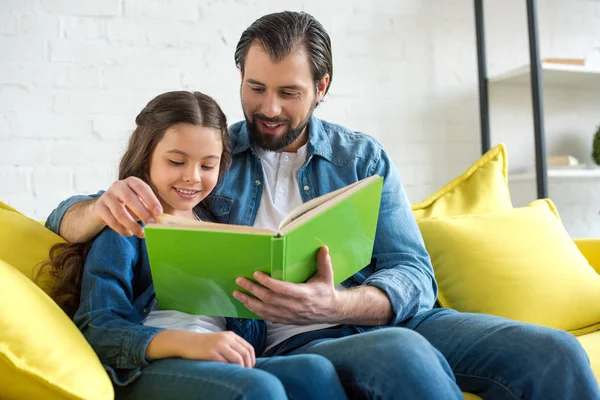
(80, 218)
(396, 286)
(78, 224)
(315, 301)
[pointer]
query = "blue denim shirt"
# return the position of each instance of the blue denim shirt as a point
(336, 157)
(116, 295)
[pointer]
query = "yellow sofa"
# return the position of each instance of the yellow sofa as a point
(44, 356)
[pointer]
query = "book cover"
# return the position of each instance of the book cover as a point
(194, 264)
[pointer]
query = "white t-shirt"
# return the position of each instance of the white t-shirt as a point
(170, 319)
(281, 195)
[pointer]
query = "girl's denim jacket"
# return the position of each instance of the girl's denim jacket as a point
(117, 294)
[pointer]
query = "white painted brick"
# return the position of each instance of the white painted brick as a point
(21, 49)
(94, 102)
(60, 75)
(4, 128)
(22, 153)
(95, 8)
(9, 73)
(83, 28)
(9, 23)
(159, 78)
(40, 26)
(75, 154)
(100, 53)
(180, 10)
(50, 126)
(88, 180)
(19, 99)
(52, 180)
(71, 51)
(123, 30)
(113, 128)
(19, 6)
(13, 180)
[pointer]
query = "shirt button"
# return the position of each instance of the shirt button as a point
(134, 360)
(257, 182)
(281, 190)
(306, 187)
(145, 311)
(286, 158)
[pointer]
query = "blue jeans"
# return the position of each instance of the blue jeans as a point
(441, 352)
(299, 377)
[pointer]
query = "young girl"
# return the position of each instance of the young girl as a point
(180, 147)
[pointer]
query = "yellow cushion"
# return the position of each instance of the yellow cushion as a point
(42, 353)
(482, 188)
(519, 264)
(591, 344)
(24, 243)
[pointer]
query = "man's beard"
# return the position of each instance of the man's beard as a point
(272, 142)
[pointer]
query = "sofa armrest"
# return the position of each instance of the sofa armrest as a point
(590, 248)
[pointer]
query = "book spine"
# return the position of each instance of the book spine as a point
(278, 258)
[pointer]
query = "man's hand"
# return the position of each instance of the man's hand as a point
(315, 301)
(126, 202)
(224, 347)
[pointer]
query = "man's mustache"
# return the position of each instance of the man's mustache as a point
(274, 120)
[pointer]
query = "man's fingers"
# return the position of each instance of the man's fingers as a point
(134, 205)
(111, 221)
(123, 217)
(325, 269)
(146, 196)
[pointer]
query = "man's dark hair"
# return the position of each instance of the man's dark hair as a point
(278, 33)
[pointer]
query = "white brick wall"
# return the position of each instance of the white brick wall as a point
(74, 74)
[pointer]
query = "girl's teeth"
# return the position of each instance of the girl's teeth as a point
(185, 191)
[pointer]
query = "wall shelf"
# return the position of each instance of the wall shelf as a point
(553, 75)
(582, 173)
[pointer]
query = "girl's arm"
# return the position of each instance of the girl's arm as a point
(223, 346)
(110, 313)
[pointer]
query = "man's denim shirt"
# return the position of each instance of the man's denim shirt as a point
(336, 157)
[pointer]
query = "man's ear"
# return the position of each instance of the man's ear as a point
(322, 86)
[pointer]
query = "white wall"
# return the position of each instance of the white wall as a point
(74, 73)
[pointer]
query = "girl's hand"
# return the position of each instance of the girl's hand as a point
(224, 347)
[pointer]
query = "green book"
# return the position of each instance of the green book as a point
(194, 264)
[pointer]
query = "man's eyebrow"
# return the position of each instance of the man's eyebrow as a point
(254, 82)
(289, 87)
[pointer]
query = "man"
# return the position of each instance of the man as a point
(284, 155)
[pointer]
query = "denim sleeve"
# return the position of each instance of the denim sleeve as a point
(55, 218)
(108, 316)
(402, 265)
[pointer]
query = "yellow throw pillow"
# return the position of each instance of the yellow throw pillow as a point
(42, 353)
(481, 189)
(25, 243)
(520, 264)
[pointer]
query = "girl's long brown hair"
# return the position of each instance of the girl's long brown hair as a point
(66, 261)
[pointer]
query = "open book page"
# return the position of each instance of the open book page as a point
(317, 205)
(169, 221)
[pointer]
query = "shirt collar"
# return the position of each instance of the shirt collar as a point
(318, 140)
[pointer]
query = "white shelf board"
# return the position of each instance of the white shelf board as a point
(556, 173)
(553, 75)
